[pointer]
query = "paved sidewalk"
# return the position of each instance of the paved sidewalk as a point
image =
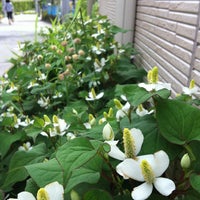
(23, 29)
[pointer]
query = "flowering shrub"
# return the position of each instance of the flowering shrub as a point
(77, 122)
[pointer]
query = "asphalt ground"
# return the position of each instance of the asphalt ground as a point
(22, 29)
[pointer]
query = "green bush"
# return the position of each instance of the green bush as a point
(21, 6)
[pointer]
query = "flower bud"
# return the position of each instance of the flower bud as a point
(108, 133)
(53, 47)
(64, 43)
(74, 195)
(70, 50)
(39, 57)
(81, 52)
(61, 76)
(47, 65)
(68, 58)
(77, 40)
(185, 161)
(75, 56)
(59, 51)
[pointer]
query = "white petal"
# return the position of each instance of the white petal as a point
(148, 87)
(25, 196)
(160, 86)
(120, 114)
(100, 95)
(164, 185)
(130, 168)
(115, 152)
(126, 107)
(142, 192)
(55, 191)
(161, 163)
(138, 138)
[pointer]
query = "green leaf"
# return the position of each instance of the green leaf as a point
(45, 173)
(97, 194)
(178, 121)
(77, 161)
(6, 140)
(17, 171)
(134, 94)
(195, 182)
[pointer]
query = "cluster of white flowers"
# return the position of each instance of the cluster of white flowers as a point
(57, 126)
(145, 168)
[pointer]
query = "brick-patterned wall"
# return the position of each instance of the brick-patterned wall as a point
(167, 35)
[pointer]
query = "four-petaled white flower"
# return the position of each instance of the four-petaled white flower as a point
(192, 89)
(25, 147)
(52, 191)
(147, 169)
(141, 111)
(153, 83)
(44, 102)
(123, 110)
(98, 65)
(92, 96)
(12, 88)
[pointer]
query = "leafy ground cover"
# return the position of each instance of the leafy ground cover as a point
(76, 116)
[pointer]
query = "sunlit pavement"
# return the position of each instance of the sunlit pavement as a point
(22, 29)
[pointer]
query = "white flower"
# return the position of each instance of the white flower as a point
(32, 84)
(98, 50)
(136, 142)
(147, 169)
(51, 191)
(108, 133)
(92, 96)
(44, 102)
(70, 136)
(91, 122)
(155, 86)
(123, 111)
(59, 127)
(12, 88)
(192, 89)
(142, 111)
(153, 83)
(25, 147)
(98, 65)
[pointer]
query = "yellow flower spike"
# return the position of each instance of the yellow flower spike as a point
(91, 119)
(105, 114)
(192, 84)
(129, 144)
(118, 104)
(46, 119)
(140, 107)
(25, 146)
(99, 28)
(55, 119)
(98, 62)
(110, 113)
(155, 75)
(147, 171)
(42, 194)
(149, 76)
(93, 93)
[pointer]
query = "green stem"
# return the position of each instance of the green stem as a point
(191, 154)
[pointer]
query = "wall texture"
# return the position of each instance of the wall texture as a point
(167, 34)
(122, 14)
